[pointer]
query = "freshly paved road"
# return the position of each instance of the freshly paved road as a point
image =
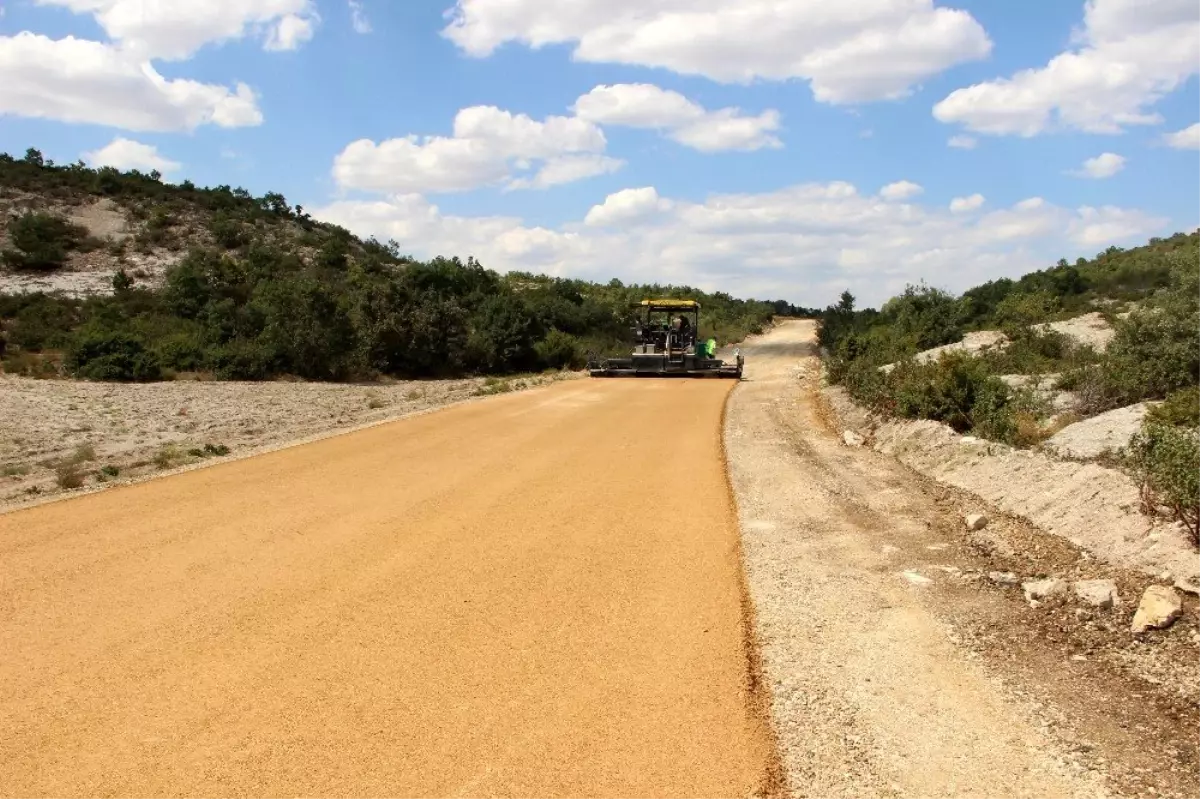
(534, 594)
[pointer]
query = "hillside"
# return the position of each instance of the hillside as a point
(1096, 363)
(119, 276)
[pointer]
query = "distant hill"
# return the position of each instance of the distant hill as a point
(119, 276)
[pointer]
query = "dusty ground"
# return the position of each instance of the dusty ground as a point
(897, 667)
(142, 430)
(534, 594)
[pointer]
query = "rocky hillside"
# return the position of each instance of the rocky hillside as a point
(1070, 397)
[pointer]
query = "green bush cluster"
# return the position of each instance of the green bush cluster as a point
(1155, 352)
(1166, 460)
(41, 241)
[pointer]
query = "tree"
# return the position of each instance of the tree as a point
(846, 302)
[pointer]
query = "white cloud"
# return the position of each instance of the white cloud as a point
(568, 169)
(75, 80)
(900, 190)
(1130, 54)
(804, 243)
(487, 147)
(849, 52)
(627, 206)
(173, 29)
(963, 142)
(358, 17)
(1100, 227)
(1102, 166)
(1186, 139)
(644, 105)
(961, 205)
(126, 154)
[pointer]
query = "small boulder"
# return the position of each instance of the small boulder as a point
(1159, 608)
(976, 521)
(1038, 590)
(1098, 593)
(1004, 578)
(852, 439)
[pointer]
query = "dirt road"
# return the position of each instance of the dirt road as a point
(535, 594)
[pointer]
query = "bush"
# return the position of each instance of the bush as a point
(1166, 461)
(111, 355)
(41, 242)
(1181, 409)
(68, 475)
(560, 350)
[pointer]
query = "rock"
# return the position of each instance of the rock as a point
(976, 521)
(1004, 578)
(1036, 590)
(915, 578)
(853, 439)
(1091, 437)
(1159, 608)
(1098, 593)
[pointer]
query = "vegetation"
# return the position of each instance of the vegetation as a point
(262, 290)
(1154, 356)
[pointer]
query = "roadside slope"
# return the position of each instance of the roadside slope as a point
(535, 594)
(894, 670)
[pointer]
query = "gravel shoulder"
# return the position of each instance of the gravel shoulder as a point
(148, 430)
(896, 666)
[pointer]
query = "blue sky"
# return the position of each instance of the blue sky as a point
(647, 177)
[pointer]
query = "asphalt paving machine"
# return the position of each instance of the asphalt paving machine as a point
(667, 344)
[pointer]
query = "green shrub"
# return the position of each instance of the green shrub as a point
(559, 350)
(112, 355)
(1181, 409)
(1166, 460)
(41, 241)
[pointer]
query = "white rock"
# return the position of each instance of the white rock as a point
(976, 521)
(1004, 578)
(1159, 608)
(1099, 593)
(852, 439)
(1044, 589)
(915, 578)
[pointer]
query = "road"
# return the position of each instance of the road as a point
(533, 594)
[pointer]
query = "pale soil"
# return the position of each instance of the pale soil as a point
(1092, 506)
(1107, 432)
(487, 600)
(1091, 330)
(43, 422)
(896, 667)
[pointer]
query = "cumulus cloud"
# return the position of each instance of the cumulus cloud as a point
(1102, 166)
(627, 206)
(126, 154)
(849, 52)
(900, 190)
(1186, 139)
(963, 142)
(176, 30)
(805, 242)
(1129, 54)
(962, 205)
(75, 80)
(644, 105)
(489, 146)
(358, 17)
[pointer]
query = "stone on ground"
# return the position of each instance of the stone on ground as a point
(1159, 608)
(852, 439)
(976, 521)
(1037, 590)
(1098, 593)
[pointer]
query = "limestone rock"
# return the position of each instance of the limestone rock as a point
(976, 521)
(1098, 593)
(1038, 590)
(1159, 608)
